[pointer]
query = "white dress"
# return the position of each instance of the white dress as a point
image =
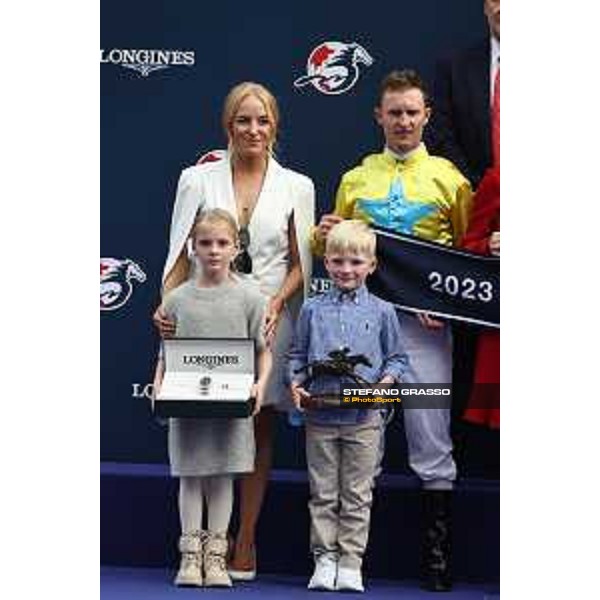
(284, 192)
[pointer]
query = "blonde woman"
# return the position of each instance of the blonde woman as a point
(274, 209)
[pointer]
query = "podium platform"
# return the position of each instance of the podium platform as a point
(125, 583)
(139, 524)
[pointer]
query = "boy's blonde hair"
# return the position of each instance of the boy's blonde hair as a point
(215, 216)
(351, 236)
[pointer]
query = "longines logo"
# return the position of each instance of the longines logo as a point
(210, 361)
(146, 61)
(142, 390)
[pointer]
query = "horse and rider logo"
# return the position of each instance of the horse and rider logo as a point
(116, 278)
(333, 67)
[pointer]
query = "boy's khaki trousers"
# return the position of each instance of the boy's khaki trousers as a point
(342, 462)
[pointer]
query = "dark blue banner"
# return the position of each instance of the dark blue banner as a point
(418, 275)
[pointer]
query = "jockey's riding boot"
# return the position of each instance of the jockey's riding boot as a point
(436, 540)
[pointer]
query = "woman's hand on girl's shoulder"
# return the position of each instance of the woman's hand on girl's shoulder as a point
(165, 326)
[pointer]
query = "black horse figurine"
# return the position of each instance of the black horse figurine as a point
(339, 364)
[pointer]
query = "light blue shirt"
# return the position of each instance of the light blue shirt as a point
(357, 320)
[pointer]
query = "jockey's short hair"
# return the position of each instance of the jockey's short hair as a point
(237, 95)
(215, 216)
(400, 81)
(351, 236)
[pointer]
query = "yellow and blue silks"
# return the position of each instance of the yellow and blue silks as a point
(424, 196)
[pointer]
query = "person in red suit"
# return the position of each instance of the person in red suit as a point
(483, 237)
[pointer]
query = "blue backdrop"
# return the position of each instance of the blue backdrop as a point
(153, 126)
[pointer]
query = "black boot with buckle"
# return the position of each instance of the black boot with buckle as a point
(436, 540)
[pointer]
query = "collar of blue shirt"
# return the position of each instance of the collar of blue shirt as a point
(357, 295)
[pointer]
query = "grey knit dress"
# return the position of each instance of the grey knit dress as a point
(235, 309)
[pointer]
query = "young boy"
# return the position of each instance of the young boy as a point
(343, 446)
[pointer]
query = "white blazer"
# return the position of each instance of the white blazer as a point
(284, 192)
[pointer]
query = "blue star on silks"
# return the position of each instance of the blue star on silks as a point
(394, 211)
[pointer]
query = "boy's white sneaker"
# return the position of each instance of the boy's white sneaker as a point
(349, 580)
(324, 574)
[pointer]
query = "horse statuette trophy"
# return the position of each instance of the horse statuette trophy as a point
(341, 365)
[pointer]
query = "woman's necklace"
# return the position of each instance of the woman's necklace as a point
(245, 212)
(245, 217)
(247, 190)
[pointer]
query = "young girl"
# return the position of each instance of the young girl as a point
(206, 453)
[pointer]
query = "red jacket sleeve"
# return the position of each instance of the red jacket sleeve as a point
(485, 215)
